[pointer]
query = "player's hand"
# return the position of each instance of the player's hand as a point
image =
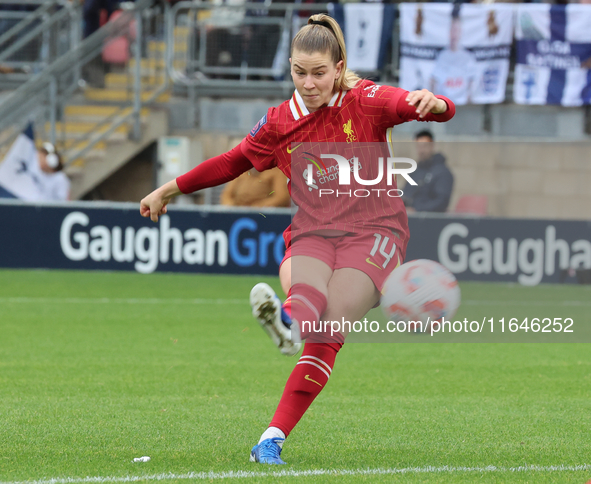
(154, 205)
(425, 102)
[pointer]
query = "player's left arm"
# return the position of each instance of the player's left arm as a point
(423, 105)
(387, 106)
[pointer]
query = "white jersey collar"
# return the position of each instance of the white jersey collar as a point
(299, 109)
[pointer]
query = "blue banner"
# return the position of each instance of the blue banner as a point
(115, 237)
(104, 236)
(553, 54)
(497, 249)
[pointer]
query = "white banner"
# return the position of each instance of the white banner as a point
(363, 34)
(459, 52)
(22, 176)
(368, 32)
(553, 54)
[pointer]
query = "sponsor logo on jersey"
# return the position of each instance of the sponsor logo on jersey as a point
(291, 150)
(258, 126)
(348, 130)
(324, 173)
(373, 91)
(309, 177)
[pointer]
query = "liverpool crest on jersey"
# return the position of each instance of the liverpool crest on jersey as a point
(348, 130)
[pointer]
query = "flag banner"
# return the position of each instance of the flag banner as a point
(553, 54)
(459, 51)
(368, 32)
(25, 172)
(19, 171)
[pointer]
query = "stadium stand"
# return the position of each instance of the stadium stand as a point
(493, 149)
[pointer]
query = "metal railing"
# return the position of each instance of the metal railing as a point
(32, 39)
(197, 32)
(220, 50)
(188, 56)
(44, 97)
(196, 72)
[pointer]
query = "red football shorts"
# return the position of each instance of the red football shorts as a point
(376, 255)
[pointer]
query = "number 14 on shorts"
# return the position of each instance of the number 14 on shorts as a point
(381, 243)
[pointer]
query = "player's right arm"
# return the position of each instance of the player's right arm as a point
(215, 171)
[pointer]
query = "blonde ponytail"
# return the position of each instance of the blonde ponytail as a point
(323, 34)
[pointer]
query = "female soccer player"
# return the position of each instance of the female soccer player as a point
(339, 251)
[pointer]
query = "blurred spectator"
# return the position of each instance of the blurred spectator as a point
(32, 174)
(263, 38)
(254, 189)
(92, 13)
(225, 29)
(434, 180)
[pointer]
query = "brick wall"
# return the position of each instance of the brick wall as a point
(538, 179)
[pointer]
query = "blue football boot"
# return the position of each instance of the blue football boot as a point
(267, 452)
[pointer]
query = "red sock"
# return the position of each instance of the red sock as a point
(304, 303)
(304, 384)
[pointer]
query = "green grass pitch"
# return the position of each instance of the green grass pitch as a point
(99, 368)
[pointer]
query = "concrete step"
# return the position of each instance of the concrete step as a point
(96, 113)
(74, 144)
(81, 130)
(157, 47)
(146, 64)
(93, 170)
(75, 168)
(115, 80)
(121, 95)
(153, 66)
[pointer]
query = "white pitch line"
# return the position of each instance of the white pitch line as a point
(479, 302)
(305, 473)
(110, 300)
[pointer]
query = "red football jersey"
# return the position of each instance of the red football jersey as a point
(361, 115)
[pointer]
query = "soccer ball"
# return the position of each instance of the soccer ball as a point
(420, 290)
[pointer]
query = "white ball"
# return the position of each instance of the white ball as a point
(145, 458)
(420, 290)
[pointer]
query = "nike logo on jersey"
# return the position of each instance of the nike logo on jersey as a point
(291, 150)
(373, 264)
(307, 377)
